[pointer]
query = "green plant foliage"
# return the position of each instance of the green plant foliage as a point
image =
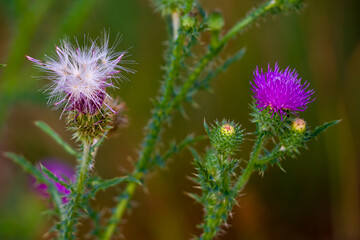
(321, 128)
(218, 170)
(52, 176)
(101, 185)
(217, 174)
(49, 131)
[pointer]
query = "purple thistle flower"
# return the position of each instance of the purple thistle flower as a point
(80, 75)
(61, 170)
(281, 91)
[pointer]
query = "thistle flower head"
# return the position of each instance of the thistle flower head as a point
(280, 90)
(80, 75)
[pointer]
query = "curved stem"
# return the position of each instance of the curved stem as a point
(244, 178)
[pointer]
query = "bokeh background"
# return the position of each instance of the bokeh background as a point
(317, 197)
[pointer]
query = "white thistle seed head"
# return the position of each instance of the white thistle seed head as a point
(79, 75)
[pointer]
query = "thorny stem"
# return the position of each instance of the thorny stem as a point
(275, 153)
(120, 208)
(251, 164)
(163, 110)
(79, 190)
(150, 140)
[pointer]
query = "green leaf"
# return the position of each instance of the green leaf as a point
(175, 148)
(53, 176)
(322, 128)
(205, 83)
(27, 167)
(105, 184)
(2, 65)
(48, 130)
(206, 128)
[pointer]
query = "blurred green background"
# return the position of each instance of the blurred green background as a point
(317, 197)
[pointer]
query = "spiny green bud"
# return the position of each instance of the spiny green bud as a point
(216, 21)
(188, 22)
(299, 125)
(225, 137)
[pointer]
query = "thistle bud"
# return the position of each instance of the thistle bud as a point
(188, 22)
(225, 137)
(216, 21)
(299, 125)
(227, 129)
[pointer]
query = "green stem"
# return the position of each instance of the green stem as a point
(75, 202)
(120, 208)
(215, 216)
(244, 178)
(275, 153)
(248, 20)
(154, 129)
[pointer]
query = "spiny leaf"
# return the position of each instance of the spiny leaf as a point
(322, 128)
(27, 167)
(48, 130)
(205, 83)
(104, 184)
(206, 128)
(175, 148)
(53, 177)
(195, 197)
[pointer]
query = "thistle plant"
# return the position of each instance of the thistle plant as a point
(278, 95)
(80, 77)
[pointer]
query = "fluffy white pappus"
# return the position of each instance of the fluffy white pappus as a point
(79, 75)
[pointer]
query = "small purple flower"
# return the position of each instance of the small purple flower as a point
(281, 91)
(79, 75)
(61, 170)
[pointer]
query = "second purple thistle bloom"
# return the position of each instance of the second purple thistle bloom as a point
(280, 90)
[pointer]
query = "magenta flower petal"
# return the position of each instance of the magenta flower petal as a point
(280, 90)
